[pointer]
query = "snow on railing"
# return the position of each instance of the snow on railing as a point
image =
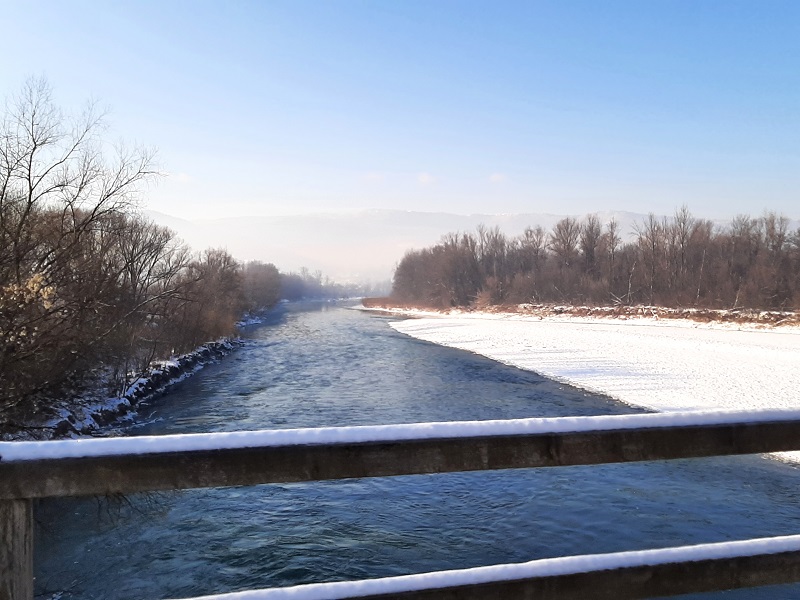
(192, 442)
(549, 570)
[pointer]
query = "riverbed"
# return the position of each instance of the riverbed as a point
(319, 365)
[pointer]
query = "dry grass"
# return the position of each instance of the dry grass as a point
(701, 315)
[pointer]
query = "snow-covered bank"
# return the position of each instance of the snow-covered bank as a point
(664, 365)
(93, 409)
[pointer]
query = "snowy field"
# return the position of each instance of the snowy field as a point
(667, 365)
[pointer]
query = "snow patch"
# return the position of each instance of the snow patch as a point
(661, 365)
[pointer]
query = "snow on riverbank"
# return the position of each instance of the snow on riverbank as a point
(92, 409)
(663, 365)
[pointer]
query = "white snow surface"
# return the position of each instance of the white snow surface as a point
(537, 568)
(666, 365)
(92, 447)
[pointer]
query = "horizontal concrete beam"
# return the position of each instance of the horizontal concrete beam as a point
(129, 473)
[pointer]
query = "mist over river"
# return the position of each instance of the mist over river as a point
(323, 365)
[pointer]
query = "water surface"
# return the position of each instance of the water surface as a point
(321, 365)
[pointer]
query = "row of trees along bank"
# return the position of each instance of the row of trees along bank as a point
(87, 284)
(675, 262)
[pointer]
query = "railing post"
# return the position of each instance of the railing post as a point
(16, 549)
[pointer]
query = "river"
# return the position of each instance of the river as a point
(317, 365)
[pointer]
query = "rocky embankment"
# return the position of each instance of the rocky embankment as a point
(89, 411)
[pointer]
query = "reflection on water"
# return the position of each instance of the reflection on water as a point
(320, 365)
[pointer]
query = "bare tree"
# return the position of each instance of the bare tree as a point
(651, 243)
(564, 240)
(776, 239)
(533, 246)
(612, 241)
(56, 190)
(589, 242)
(262, 285)
(678, 235)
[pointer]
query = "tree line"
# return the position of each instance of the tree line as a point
(88, 287)
(678, 261)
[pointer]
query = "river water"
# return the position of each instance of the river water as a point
(322, 365)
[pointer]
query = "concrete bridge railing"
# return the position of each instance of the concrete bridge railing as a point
(30, 470)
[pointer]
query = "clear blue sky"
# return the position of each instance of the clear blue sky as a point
(563, 106)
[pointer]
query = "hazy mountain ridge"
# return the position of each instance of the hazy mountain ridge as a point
(360, 246)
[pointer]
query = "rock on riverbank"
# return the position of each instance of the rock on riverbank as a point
(93, 409)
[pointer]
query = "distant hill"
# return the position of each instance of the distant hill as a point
(359, 246)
